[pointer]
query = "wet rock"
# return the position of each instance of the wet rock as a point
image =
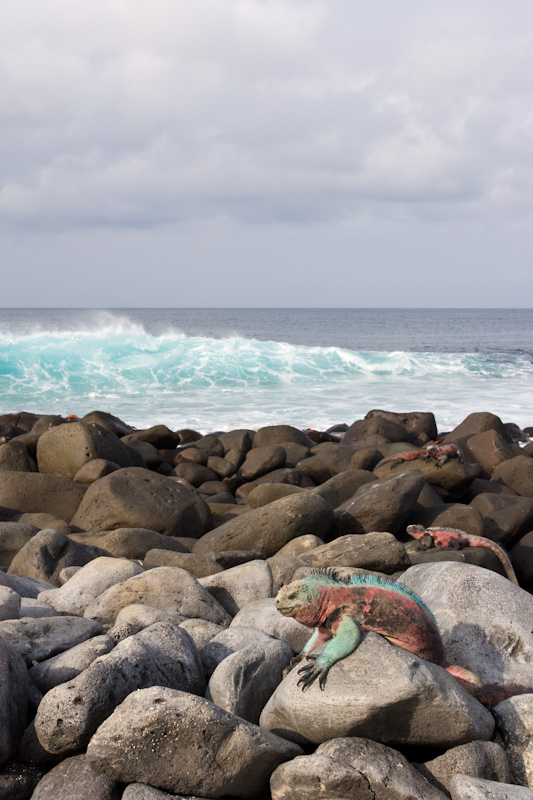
(277, 434)
(380, 506)
(138, 498)
(184, 744)
(266, 493)
(130, 542)
(261, 460)
(158, 435)
(514, 717)
(15, 457)
(109, 422)
(478, 422)
(22, 492)
(94, 470)
(452, 515)
(268, 528)
(69, 664)
(522, 560)
(415, 422)
(161, 655)
(62, 450)
(197, 565)
(517, 473)
(235, 588)
(73, 779)
(48, 552)
(484, 620)
(505, 518)
(379, 551)
(352, 768)
(88, 583)
(243, 682)
(342, 486)
(478, 759)
(167, 588)
(13, 700)
(382, 693)
(38, 639)
(489, 449)
(195, 474)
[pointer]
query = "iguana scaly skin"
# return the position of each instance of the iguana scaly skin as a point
(340, 610)
(441, 454)
(453, 539)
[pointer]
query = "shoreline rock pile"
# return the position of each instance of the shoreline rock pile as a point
(142, 656)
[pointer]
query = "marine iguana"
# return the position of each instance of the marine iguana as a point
(453, 539)
(340, 609)
(441, 454)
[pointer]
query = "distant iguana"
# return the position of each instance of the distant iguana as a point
(453, 539)
(440, 453)
(340, 610)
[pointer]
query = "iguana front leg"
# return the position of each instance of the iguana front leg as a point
(346, 637)
(319, 636)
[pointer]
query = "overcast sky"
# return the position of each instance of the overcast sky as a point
(266, 153)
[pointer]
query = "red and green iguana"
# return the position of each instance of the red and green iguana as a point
(440, 453)
(453, 539)
(340, 610)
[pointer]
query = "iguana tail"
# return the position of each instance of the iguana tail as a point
(468, 680)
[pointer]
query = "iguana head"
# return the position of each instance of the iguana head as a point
(303, 599)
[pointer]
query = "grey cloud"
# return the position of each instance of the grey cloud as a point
(263, 110)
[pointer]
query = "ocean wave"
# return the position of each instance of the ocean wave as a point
(209, 382)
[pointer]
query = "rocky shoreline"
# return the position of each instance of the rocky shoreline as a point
(141, 653)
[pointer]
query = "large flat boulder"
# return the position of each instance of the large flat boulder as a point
(137, 498)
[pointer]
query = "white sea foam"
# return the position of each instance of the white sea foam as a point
(218, 383)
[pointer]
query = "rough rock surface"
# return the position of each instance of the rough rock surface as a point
(382, 693)
(184, 744)
(515, 724)
(484, 619)
(138, 498)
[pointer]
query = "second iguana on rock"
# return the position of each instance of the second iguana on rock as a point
(340, 610)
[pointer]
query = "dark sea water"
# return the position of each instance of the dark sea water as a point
(217, 369)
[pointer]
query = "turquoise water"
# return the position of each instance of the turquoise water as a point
(216, 369)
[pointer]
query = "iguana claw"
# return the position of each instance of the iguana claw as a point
(310, 672)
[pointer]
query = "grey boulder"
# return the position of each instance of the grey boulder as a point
(64, 449)
(270, 527)
(137, 498)
(43, 637)
(484, 620)
(478, 759)
(161, 655)
(236, 587)
(263, 615)
(514, 717)
(351, 769)
(184, 744)
(69, 663)
(382, 693)
(48, 552)
(229, 641)
(13, 700)
(74, 779)
(88, 583)
(463, 787)
(166, 588)
(381, 505)
(243, 682)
